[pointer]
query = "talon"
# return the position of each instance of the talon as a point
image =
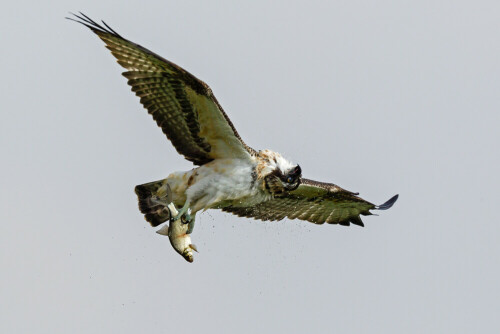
(184, 215)
(186, 218)
(178, 214)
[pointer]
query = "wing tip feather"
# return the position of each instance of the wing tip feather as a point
(388, 204)
(357, 221)
(92, 25)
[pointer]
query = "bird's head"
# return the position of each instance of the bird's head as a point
(279, 174)
(279, 182)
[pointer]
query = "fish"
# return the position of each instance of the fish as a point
(178, 232)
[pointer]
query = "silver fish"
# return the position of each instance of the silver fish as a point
(178, 232)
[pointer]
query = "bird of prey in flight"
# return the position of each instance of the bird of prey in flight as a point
(229, 175)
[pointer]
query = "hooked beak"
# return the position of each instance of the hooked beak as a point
(296, 174)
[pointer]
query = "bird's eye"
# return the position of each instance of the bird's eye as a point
(289, 179)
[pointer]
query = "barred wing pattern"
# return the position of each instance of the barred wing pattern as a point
(183, 106)
(316, 202)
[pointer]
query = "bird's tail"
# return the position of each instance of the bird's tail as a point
(153, 200)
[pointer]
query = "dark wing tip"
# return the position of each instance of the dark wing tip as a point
(357, 221)
(388, 204)
(91, 24)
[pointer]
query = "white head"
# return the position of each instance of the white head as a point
(279, 174)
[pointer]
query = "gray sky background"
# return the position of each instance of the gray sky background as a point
(380, 97)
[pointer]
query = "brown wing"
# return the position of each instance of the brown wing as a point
(316, 202)
(182, 105)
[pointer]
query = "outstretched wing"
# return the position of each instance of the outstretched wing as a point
(316, 202)
(182, 105)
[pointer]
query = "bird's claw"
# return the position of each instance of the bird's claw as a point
(184, 216)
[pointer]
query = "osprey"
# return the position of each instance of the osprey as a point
(230, 175)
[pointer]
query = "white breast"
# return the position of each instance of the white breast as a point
(225, 180)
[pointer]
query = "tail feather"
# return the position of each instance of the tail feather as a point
(153, 200)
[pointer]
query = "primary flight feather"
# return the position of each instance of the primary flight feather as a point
(230, 175)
